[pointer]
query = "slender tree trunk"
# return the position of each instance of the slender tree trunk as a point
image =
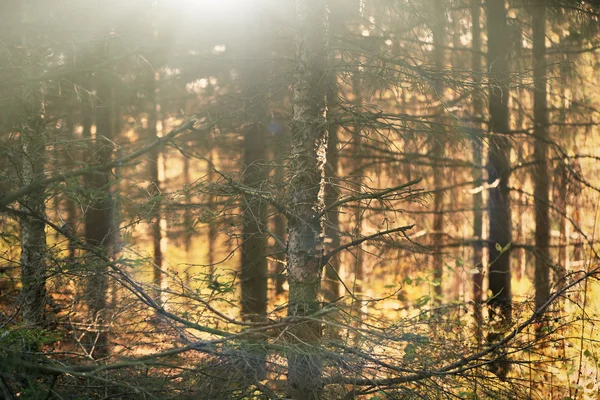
(437, 151)
(331, 283)
(279, 221)
(212, 225)
(359, 256)
(476, 172)
(498, 165)
(33, 235)
(98, 214)
(156, 170)
(541, 177)
(305, 228)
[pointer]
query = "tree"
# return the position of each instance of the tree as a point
(254, 267)
(305, 225)
(498, 163)
(437, 151)
(541, 176)
(99, 213)
(33, 234)
(476, 172)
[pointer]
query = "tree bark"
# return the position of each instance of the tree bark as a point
(498, 164)
(305, 228)
(476, 172)
(541, 176)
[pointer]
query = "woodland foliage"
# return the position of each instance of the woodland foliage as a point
(309, 199)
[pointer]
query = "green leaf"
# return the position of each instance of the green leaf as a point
(498, 247)
(422, 301)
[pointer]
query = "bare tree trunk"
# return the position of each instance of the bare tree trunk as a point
(33, 235)
(437, 151)
(156, 170)
(476, 172)
(359, 256)
(254, 266)
(331, 283)
(98, 215)
(541, 177)
(498, 166)
(305, 228)
(279, 221)
(212, 228)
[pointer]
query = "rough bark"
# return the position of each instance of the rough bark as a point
(541, 176)
(305, 228)
(476, 172)
(498, 164)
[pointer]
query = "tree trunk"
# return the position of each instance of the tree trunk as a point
(498, 164)
(438, 153)
(98, 214)
(476, 172)
(305, 228)
(498, 169)
(212, 225)
(279, 221)
(541, 177)
(359, 256)
(331, 283)
(254, 267)
(33, 235)
(156, 170)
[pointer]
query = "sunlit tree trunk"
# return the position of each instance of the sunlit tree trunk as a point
(437, 151)
(359, 155)
(33, 235)
(331, 283)
(212, 225)
(541, 178)
(476, 172)
(98, 213)
(279, 222)
(305, 227)
(156, 170)
(498, 163)
(280, 230)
